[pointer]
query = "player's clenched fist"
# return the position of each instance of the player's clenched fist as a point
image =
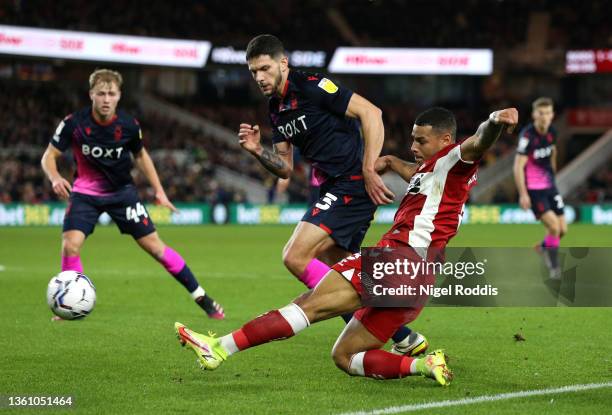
(382, 165)
(508, 116)
(250, 138)
(61, 187)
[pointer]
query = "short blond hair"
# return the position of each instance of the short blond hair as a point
(542, 102)
(105, 76)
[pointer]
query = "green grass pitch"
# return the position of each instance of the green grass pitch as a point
(124, 358)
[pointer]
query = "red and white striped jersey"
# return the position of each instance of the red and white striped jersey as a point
(431, 210)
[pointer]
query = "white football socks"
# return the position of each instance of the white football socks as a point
(295, 316)
(356, 364)
(228, 343)
(197, 293)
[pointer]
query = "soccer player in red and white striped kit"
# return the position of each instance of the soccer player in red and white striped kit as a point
(428, 217)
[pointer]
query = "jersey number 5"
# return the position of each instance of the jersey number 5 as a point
(326, 201)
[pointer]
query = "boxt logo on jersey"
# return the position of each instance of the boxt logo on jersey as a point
(293, 127)
(97, 152)
(540, 153)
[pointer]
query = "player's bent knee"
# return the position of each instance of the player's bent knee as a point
(341, 358)
(71, 247)
(286, 249)
(294, 262)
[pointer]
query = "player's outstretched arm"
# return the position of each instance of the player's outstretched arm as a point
(278, 162)
(488, 132)
(143, 162)
(405, 169)
(374, 136)
(519, 179)
(61, 186)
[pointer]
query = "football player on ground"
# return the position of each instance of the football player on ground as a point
(324, 121)
(535, 166)
(103, 141)
(427, 218)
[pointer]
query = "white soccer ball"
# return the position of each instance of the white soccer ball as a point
(71, 295)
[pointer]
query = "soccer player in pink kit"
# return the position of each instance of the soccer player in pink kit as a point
(428, 216)
(535, 166)
(103, 141)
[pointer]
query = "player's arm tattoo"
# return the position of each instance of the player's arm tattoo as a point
(273, 163)
(488, 132)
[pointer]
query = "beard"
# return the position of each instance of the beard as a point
(276, 84)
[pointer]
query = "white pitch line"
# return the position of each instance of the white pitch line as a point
(481, 399)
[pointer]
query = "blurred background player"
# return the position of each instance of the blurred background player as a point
(103, 141)
(535, 166)
(324, 121)
(428, 217)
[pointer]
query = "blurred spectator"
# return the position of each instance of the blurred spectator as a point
(597, 189)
